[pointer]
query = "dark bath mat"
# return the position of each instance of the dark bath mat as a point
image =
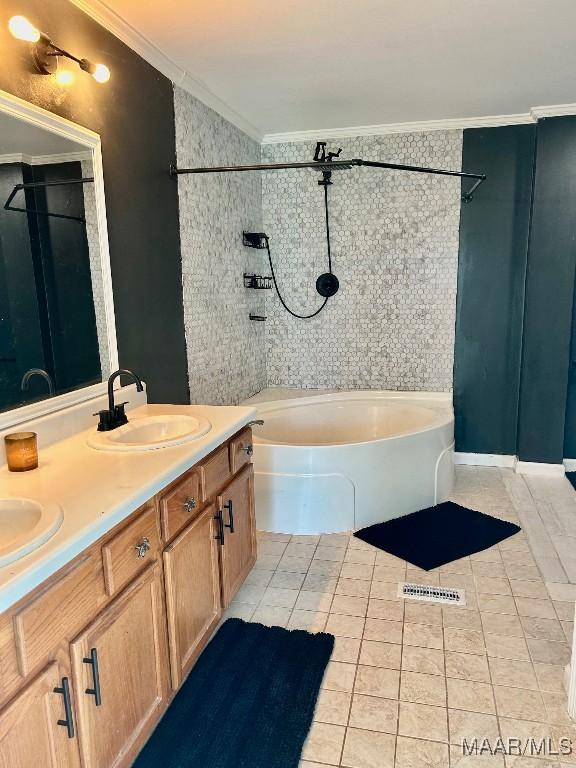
(437, 535)
(572, 478)
(248, 702)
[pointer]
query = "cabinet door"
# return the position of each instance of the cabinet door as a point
(120, 674)
(238, 553)
(34, 728)
(191, 573)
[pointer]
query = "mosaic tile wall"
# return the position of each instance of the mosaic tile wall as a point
(395, 252)
(95, 267)
(226, 350)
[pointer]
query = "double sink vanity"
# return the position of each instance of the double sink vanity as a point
(118, 556)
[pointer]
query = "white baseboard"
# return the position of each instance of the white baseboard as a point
(570, 465)
(485, 460)
(539, 468)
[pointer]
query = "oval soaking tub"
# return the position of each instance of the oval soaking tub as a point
(339, 462)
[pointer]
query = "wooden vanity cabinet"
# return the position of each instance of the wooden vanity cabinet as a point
(86, 660)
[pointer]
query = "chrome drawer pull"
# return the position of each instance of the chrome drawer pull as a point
(143, 547)
(189, 504)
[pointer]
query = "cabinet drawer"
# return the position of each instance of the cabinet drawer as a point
(133, 548)
(241, 450)
(216, 472)
(58, 612)
(180, 504)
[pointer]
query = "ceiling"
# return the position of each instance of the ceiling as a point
(20, 137)
(295, 65)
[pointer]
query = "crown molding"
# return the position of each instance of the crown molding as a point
(62, 157)
(557, 110)
(125, 32)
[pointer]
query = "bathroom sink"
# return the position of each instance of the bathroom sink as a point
(24, 526)
(150, 433)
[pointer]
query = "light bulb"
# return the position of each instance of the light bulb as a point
(21, 28)
(101, 73)
(64, 77)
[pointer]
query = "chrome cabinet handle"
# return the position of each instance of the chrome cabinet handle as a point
(142, 547)
(68, 721)
(248, 448)
(189, 504)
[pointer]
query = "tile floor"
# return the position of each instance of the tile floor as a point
(409, 680)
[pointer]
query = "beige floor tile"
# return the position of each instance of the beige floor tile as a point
(339, 676)
(492, 570)
(346, 649)
(491, 555)
(350, 606)
(390, 610)
(525, 731)
(316, 582)
(422, 613)
(385, 558)
(467, 666)
(417, 753)
(271, 536)
(548, 652)
(568, 627)
(267, 562)
(305, 539)
(335, 539)
(514, 674)
(497, 603)
(458, 759)
(376, 654)
(308, 764)
(357, 571)
(331, 554)
(529, 588)
(428, 661)
(461, 618)
(368, 749)
(463, 566)
(365, 556)
(239, 611)
(272, 616)
(501, 624)
(294, 564)
(535, 607)
(324, 743)
(287, 580)
(353, 587)
(388, 573)
(463, 640)
(325, 568)
(523, 572)
(506, 647)
(345, 626)
(423, 689)
(419, 576)
(383, 631)
(271, 548)
(427, 722)
(550, 677)
(333, 707)
(519, 704)
(300, 550)
(276, 597)
(377, 681)
(471, 696)
(250, 593)
(259, 578)
(311, 621)
(562, 592)
(314, 601)
(384, 590)
(564, 611)
(423, 636)
(374, 713)
(470, 725)
(557, 708)
(545, 629)
(492, 586)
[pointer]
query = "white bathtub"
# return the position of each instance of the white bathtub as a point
(338, 462)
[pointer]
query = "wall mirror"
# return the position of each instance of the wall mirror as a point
(57, 333)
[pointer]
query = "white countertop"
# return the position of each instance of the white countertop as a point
(99, 489)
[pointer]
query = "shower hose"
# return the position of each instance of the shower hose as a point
(286, 307)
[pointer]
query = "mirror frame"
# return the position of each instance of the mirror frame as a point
(24, 110)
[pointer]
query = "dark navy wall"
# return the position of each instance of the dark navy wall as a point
(549, 294)
(491, 273)
(514, 385)
(134, 115)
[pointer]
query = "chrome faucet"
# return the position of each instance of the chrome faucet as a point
(37, 372)
(115, 416)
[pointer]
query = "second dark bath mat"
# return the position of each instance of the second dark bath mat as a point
(248, 702)
(438, 535)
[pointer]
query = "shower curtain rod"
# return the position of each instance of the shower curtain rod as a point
(33, 185)
(333, 165)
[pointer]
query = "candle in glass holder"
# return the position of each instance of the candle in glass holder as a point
(21, 451)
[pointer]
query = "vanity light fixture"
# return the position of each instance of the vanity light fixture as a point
(46, 52)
